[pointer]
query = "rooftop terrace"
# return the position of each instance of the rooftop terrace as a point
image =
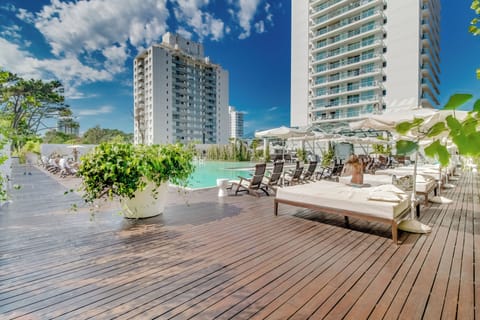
(232, 258)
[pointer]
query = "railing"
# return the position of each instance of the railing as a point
(344, 62)
(344, 101)
(342, 10)
(347, 21)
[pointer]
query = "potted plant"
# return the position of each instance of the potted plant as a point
(136, 174)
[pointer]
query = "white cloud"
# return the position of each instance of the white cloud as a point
(95, 112)
(11, 32)
(272, 109)
(92, 40)
(248, 8)
(26, 16)
(69, 69)
(260, 26)
(204, 24)
(92, 25)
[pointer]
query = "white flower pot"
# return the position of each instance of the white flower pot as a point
(146, 203)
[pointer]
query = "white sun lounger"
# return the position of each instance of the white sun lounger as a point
(424, 186)
(338, 198)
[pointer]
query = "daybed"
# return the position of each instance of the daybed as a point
(424, 186)
(391, 205)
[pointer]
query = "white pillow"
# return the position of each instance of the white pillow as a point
(385, 196)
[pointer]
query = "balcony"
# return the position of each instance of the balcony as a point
(347, 24)
(350, 36)
(343, 12)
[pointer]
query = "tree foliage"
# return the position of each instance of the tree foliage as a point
(464, 134)
(237, 150)
(474, 24)
(26, 104)
(97, 135)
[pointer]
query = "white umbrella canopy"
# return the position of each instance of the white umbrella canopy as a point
(282, 133)
(388, 120)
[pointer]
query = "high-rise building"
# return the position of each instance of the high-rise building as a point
(179, 95)
(351, 58)
(236, 123)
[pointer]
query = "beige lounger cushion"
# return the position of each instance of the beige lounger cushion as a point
(387, 192)
(423, 183)
(340, 196)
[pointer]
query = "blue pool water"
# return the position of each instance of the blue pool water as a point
(207, 172)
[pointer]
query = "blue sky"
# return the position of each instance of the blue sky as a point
(89, 46)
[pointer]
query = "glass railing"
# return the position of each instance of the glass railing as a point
(347, 21)
(325, 5)
(344, 89)
(352, 47)
(344, 62)
(343, 101)
(342, 10)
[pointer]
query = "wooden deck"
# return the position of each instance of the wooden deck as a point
(232, 258)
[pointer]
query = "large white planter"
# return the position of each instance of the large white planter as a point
(146, 204)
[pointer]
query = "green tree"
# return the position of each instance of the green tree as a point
(97, 135)
(54, 136)
(474, 24)
(26, 104)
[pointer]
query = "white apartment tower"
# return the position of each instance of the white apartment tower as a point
(236, 123)
(351, 58)
(179, 95)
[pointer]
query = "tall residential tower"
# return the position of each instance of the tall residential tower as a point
(236, 123)
(351, 58)
(179, 95)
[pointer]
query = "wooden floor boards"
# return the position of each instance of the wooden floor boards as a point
(231, 258)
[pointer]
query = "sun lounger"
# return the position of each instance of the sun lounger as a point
(424, 185)
(385, 203)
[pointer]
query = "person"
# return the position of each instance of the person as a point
(75, 154)
(354, 167)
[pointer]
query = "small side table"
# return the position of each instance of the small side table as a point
(222, 187)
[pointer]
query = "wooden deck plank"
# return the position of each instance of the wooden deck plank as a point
(420, 292)
(467, 281)
(172, 289)
(396, 294)
(476, 244)
(451, 297)
(232, 258)
(129, 274)
(241, 273)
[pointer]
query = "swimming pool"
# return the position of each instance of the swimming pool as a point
(207, 172)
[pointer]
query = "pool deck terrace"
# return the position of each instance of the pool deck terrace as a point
(231, 257)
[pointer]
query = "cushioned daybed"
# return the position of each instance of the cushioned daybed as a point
(424, 186)
(385, 203)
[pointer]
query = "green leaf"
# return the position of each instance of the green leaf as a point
(436, 129)
(406, 146)
(457, 100)
(463, 144)
(476, 105)
(405, 126)
(469, 125)
(454, 125)
(439, 151)
(478, 74)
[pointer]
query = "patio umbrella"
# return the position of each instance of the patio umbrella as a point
(75, 151)
(283, 133)
(388, 121)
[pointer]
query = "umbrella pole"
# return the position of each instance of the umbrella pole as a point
(438, 198)
(412, 224)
